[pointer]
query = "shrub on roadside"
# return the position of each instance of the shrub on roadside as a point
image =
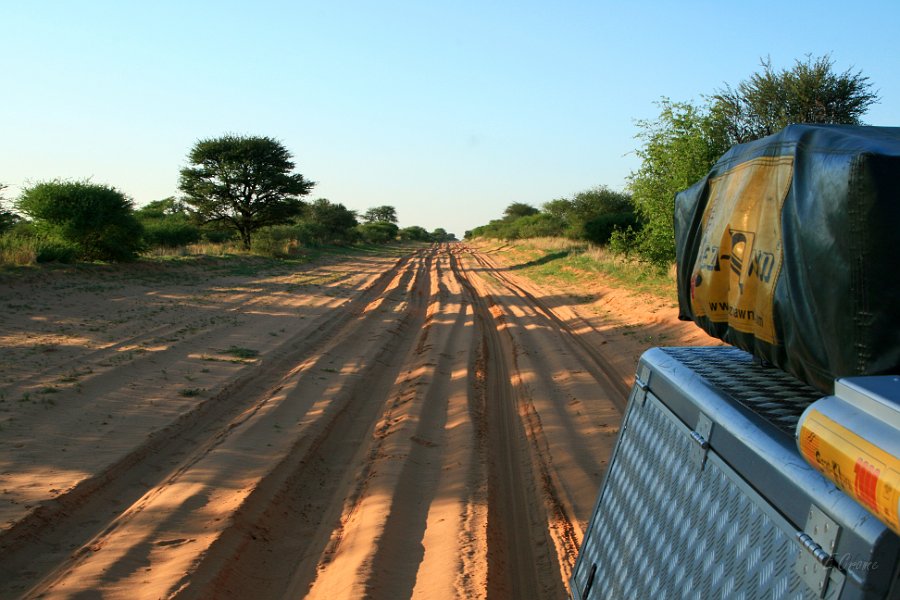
(167, 224)
(538, 225)
(96, 220)
(378, 232)
(600, 229)
(170, 233)
(24, 245)
(50, 250)
(624, 241)
(277, 241)
(215, 235)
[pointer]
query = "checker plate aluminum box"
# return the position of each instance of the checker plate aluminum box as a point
(706, 495)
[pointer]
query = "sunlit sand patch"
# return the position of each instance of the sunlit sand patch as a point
(23, 489)
(46, 339)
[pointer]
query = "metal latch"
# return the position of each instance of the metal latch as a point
(815, 562)
(642, 385)
(700, 437)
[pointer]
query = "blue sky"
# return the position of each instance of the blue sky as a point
(448, 111)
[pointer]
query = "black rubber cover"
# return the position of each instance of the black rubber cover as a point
(835, 301)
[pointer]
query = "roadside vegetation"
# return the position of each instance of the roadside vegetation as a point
(678, 148)
(569, 264)
(240, 196)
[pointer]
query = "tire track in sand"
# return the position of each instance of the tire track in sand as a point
(59, 532)
(567, 465)
(389, 518)
(590, 357)
(281, 531)
(362, 494)
(520, 561)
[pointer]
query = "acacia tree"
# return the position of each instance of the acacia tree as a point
(381, 214)
(245, 182)
(811, 92)
(519, 209)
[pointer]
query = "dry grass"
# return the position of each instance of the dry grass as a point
(198, 249)
(555, 244)
(564, 261)
(17, 255)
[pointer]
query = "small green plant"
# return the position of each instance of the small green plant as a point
(240, 352)
(190, 392)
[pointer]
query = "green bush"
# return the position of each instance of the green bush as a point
(378, 232)
(415, 234)
(24, 245)
(170, 232)
(168, 224)
(624, 241)
(50, 250)
(329, 223)
(216, 235)
(96, 220)
(539, 225)
(276, 240)
(310, 234)
(600, 229)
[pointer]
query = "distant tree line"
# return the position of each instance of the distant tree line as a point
(592, 215)
(681, 145)
(240, 189)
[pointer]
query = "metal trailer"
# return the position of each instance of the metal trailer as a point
(707, 496)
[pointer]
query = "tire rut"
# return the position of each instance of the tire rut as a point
(44, 540)
(406, 523)
(520, 564)
(278, 535)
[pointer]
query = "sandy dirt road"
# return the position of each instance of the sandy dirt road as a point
(424, 425)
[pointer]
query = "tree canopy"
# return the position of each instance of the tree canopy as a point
(519, 209)
(590, 215)
(415, 233)
(329, 222)
(162, 209)
(381, 214)
(378, 232)
(245, 182)
(442, 235)
(810, 92)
